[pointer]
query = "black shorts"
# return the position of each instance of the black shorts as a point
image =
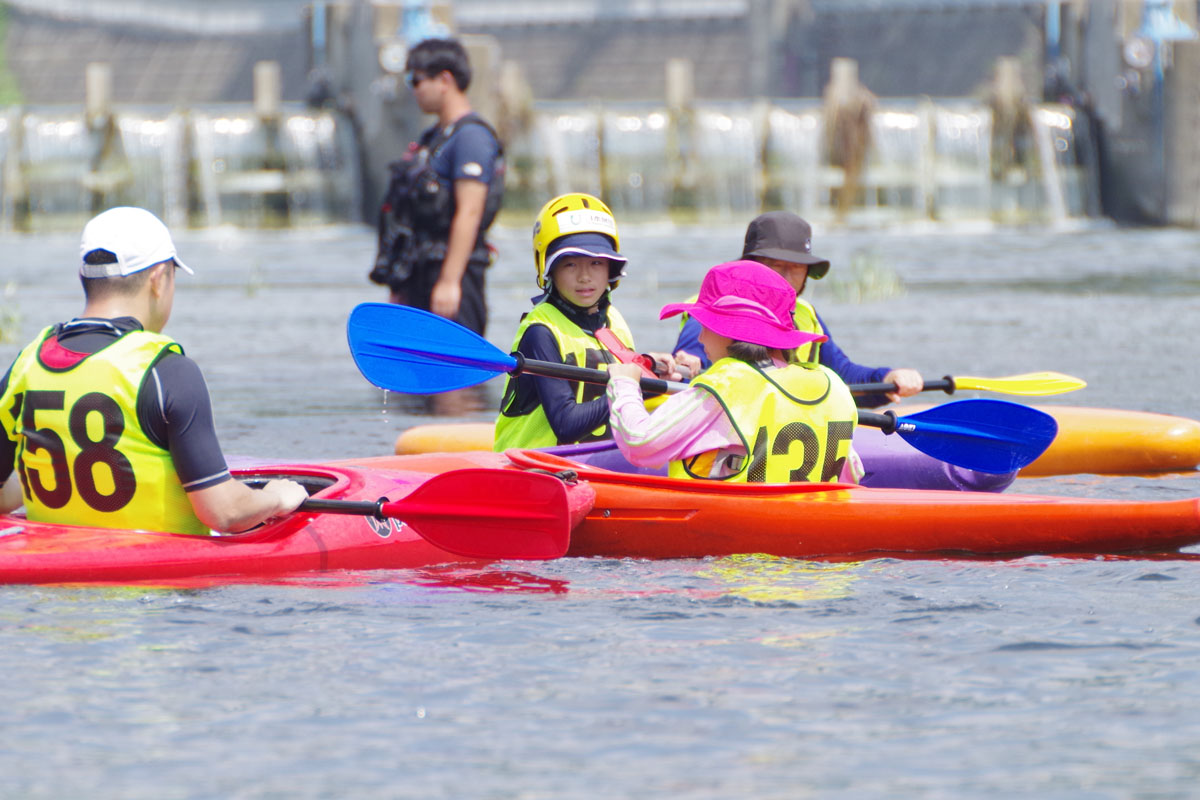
(472, 311)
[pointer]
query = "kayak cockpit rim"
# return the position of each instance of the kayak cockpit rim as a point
(328, 482)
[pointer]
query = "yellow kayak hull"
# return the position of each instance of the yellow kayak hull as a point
(1111, 441)
(1116, 442)
(451, 437)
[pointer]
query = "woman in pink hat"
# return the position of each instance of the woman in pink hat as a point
(753, 416)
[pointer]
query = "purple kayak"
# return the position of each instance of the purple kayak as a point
(890, 462)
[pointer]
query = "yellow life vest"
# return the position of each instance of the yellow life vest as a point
(795, 423)
(82, 456)
(805, 317)
(517, 427)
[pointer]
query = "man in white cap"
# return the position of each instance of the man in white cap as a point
(106, 421)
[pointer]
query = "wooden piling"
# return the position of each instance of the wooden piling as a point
(848, 107)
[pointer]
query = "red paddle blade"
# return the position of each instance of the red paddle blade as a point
(623, 354)
(489, 513)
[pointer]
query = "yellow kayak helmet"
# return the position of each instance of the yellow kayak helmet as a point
(576, 224)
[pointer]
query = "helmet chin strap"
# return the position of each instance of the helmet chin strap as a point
(554, 296)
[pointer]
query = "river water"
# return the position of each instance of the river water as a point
(737, 677)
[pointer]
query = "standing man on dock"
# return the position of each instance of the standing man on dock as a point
(443, 195)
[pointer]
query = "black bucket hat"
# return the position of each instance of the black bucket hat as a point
(785, 236)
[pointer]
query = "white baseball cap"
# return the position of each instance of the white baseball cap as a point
(136, 237)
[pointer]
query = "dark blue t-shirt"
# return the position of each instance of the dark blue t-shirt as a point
(469, 154)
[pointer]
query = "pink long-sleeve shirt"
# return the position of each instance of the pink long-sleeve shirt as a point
(686, 424)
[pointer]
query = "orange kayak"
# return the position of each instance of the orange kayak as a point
(649, 516)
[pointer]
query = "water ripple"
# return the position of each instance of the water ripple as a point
(1038, 646)
(746, 676)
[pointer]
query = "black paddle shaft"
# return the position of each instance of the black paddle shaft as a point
(656, 386)
(549, 369)
(887, 421)
(946, 384)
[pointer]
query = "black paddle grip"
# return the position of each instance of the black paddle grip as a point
(363, 508)
(886, 421)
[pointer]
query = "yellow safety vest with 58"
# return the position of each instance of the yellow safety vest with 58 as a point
(82, 456)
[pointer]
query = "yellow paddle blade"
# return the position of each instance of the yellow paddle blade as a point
(1030, 383)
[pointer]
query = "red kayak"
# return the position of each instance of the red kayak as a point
(422, 519)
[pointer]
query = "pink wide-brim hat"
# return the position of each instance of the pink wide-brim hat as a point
(746, 302)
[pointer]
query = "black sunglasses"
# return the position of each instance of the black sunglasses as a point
(413, 79)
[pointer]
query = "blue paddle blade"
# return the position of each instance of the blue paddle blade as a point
(992, 436)
(405, 349)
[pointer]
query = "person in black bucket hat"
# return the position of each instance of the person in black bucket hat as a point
(783, 236)
(782, 241)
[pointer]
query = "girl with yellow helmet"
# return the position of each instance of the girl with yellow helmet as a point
(578, 261)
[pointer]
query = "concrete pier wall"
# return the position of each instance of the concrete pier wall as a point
(1183, 141)
(154, 60)
(1134, 135)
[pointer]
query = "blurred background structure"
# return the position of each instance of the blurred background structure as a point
(275, 113)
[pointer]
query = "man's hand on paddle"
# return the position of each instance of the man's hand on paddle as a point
(688, 364)
(908, 382)
(667, 366)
